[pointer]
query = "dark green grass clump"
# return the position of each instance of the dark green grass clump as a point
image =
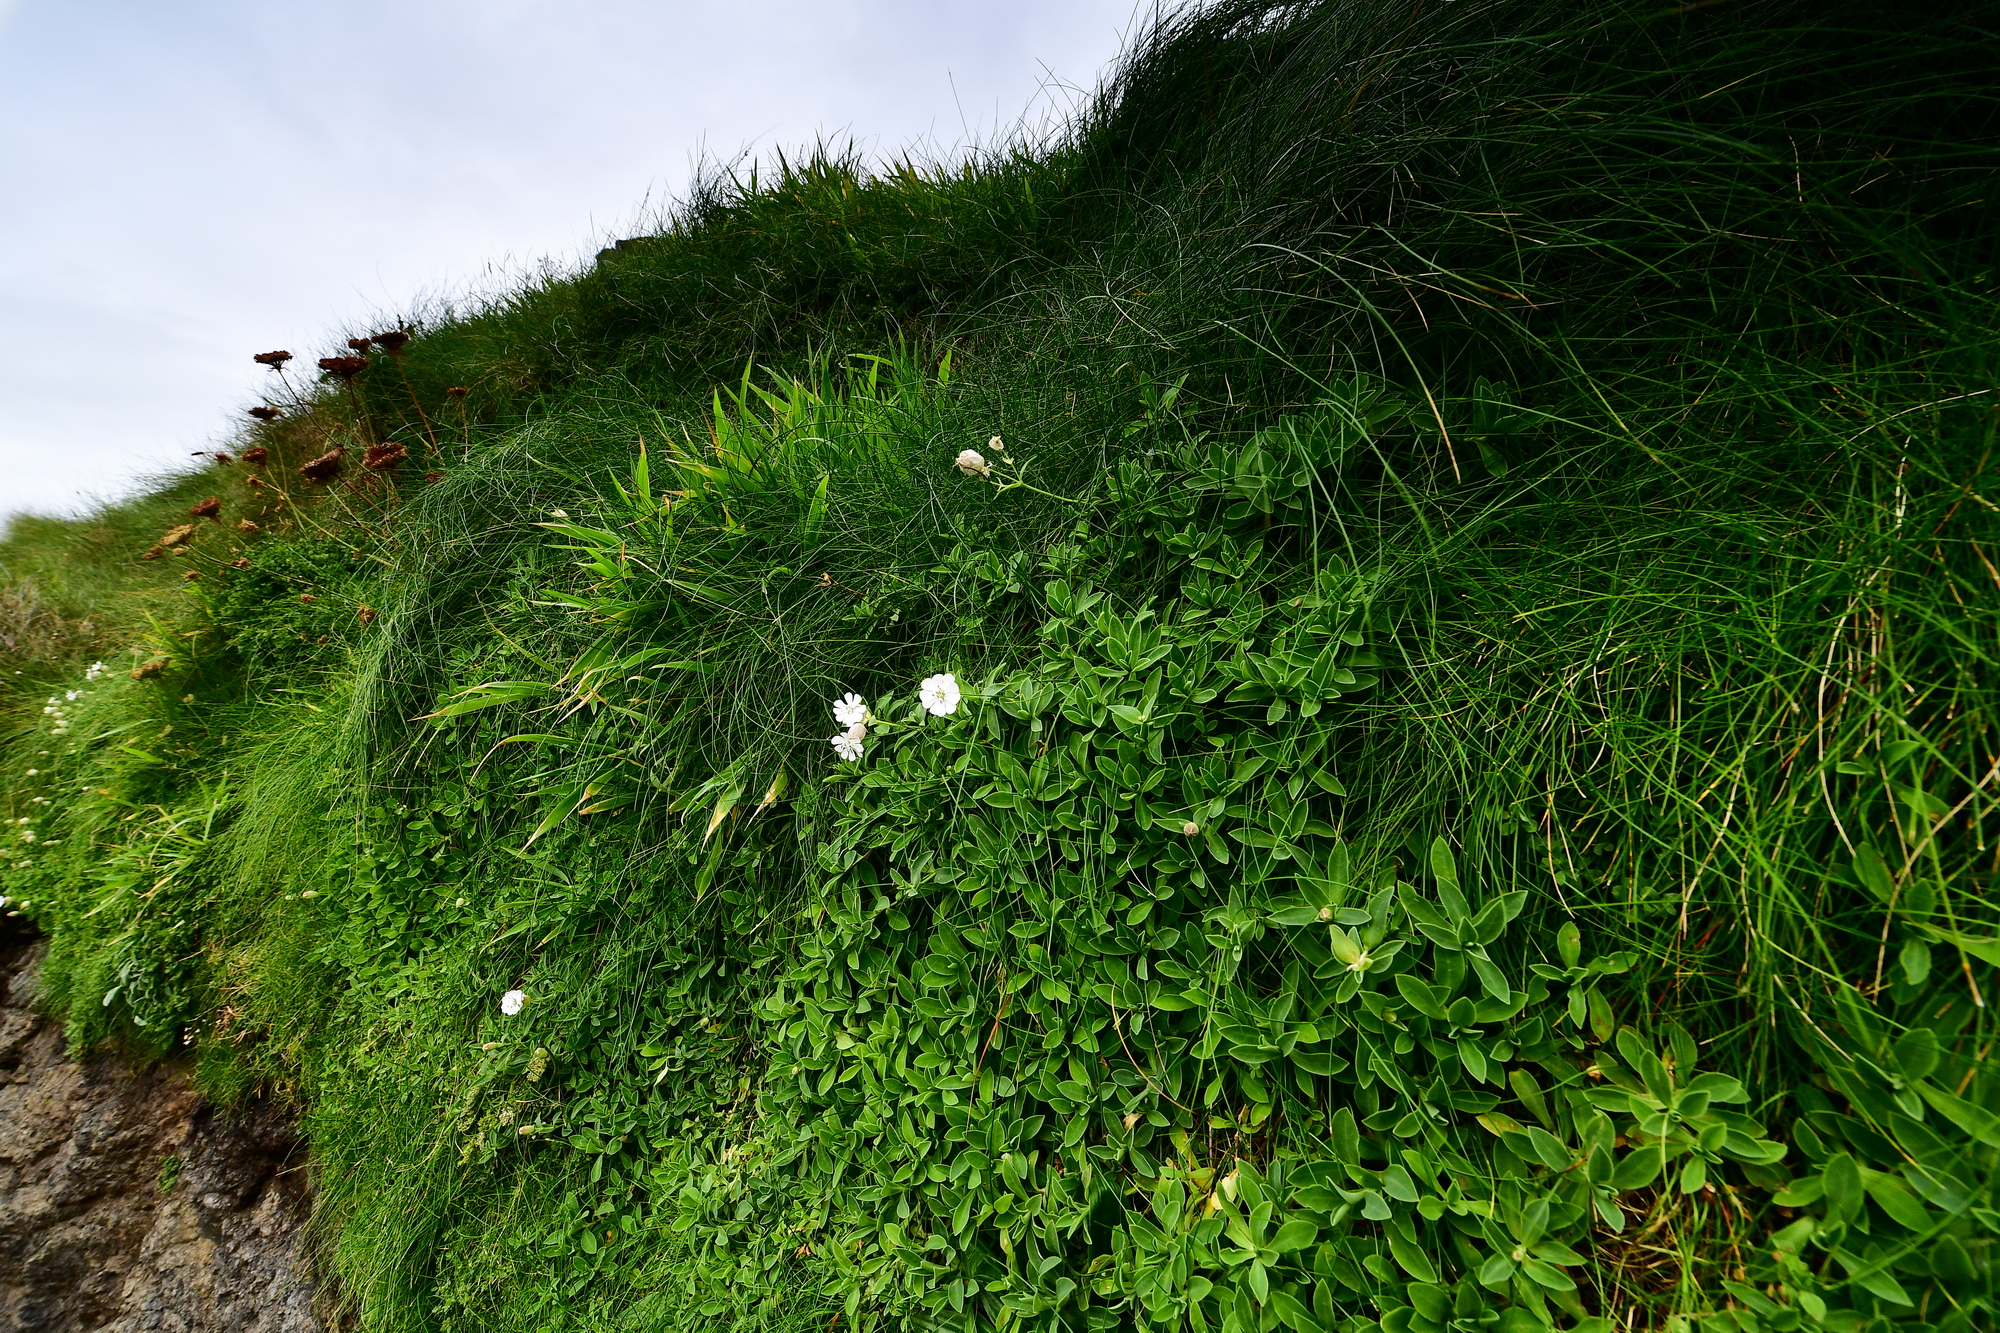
(1474, 631)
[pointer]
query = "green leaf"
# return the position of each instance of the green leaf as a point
(1409, 1258)
(1549, 1149)
(1915, 960)
(1419, 996)
(1975, 1120)
(1548, 1276)
(1637, 1168)
(1442, 864)
(1873, 873)
(1294, 1313)
(1841, 1178)
(491, 694)
(1294, 1235)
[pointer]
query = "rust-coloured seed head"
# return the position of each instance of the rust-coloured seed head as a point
(433, 476)
(382, 457)
(392, 341)
(153, 553)
(209, 508)
(176, 536)
(256, 453)
(324, 468)
(275, 360)
(148, 669)
(343, 367)
(266, 413)
(224, 458)
(457, 392)
(243, 563)
(192, 575)
(245, 525)
(359, 344)
(307, 599)
(255, 483)
(366, 615)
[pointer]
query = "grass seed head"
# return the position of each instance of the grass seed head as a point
(324, 468)
(343, 367)
(382, 457)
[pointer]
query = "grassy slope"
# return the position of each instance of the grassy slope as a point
(1670, 537)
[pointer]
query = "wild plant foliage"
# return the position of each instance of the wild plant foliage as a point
(1356, 695)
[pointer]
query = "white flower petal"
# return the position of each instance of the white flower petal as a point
(939, 694)
(850, 710)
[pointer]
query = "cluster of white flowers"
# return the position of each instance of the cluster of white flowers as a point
(851, 712)
(95, 670)
(54, 710)
(939, 695)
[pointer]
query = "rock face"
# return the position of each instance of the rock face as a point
(127, 1203)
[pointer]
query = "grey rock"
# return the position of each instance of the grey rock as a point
(89, 1243)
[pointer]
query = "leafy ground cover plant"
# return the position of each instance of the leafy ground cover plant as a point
(1288, 711)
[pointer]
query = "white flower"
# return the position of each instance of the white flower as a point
(33, 771)
(96, 669)
(71, 695)
(513, 1002)
(939, 694)
(847, 746)
(851, 711)
(973, 463)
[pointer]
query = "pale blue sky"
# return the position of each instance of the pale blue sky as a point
(183, 184)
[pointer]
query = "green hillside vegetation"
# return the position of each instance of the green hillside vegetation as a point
(1463, 800)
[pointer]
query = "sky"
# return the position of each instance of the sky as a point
(183, 185)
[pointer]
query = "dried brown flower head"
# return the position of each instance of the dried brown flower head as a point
(256, 453)
(382, 457)
(255, 483)
(275, 360)
(224, 458)
(152, 553)
(245, 525)
(209, 508)
(176, 536)
(148, 669)
(457, 392)
(433, 476)
(266, 413)
(359, 344)
(324, 468)
(192, 575)
(243, 563)
(343, 367)
(366, 615)
(307, 599)
(392, 341)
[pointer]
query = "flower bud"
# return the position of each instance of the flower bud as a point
(973, 463)
(1190, 828)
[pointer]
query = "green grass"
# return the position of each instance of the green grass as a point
(1522, 457)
